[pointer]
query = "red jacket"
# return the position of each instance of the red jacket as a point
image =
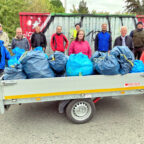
(59, 42)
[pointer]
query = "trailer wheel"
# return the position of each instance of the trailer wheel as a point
(80, 111)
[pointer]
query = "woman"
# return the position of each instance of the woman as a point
(80, 45)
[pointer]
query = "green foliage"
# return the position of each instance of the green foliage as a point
(134, 6)
(100, 12)
(57, 6)
(83, 9)
(9, 14)
(9, 11)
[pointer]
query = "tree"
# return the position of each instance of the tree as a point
(134, 6)
(9, 14)
(57, 6)
(83, 9)
(9, 11)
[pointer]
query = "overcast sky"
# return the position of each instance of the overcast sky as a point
(111, 6)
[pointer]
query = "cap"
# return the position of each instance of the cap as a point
(139, 23)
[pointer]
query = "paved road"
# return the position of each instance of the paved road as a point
(117, 121)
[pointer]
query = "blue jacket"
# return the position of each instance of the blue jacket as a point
(4, 54)
(103, 42)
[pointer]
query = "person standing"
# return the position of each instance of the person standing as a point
(124, 40)
(4, 37)
(38, 39)
(138, 40)
(74, 33)
(80, 45)
(103, 40)
(4, 54)
(20, 41)
(59, 42)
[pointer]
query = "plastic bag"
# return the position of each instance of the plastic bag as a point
(58, 62)
(13, 61)
(138, 66)
(14, 73)
(107, 65)
(79, 64)
(18, 52)
(125, 57)
(36, 65)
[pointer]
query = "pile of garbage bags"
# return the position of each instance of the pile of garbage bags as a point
(36, 64)
(119, 61)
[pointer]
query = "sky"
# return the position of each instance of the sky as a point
(111, 6)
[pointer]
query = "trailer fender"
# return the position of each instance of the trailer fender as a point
(62, 105)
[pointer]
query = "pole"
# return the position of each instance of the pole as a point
(65, 6)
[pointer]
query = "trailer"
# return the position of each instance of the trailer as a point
(76, 95)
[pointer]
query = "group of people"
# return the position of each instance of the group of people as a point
(59, 42)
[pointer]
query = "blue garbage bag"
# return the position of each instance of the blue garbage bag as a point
(36, 65)
(107, 65)
(18, 52)
(13, 73)
(125, 57)
(58, 62)
(13, 61)
(96, 55)
(79, 64)
(39, 48)
(138, 67)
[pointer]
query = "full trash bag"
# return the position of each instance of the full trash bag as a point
(13, 73)
(79, 64)
(138, 66)
(36, 65)
(96, 55)
(13, 61)
(107, 65)
(125, 57)
(58, 62)
(18, 52)
(39, 48)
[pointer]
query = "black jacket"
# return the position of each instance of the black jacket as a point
(38, 39)
(128, 41)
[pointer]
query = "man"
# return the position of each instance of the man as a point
(74, 33)
(4, 54)
(38, 39)
(138, 40)
(124, 40)
(4, 37)
(59, 42)
(20, 41)
(103, 40)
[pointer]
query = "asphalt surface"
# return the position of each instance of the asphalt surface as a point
(116, 121)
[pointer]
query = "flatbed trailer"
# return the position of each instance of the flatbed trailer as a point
(77, 95)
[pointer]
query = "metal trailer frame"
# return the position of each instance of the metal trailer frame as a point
(77, 94)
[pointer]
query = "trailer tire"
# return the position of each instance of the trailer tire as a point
(80, 111)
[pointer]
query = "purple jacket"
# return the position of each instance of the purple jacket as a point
(80, 46)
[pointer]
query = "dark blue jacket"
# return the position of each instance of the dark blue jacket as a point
(103, 42)
(4, 54)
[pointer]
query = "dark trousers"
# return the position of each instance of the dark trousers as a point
(138, 52)
(1, 72)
